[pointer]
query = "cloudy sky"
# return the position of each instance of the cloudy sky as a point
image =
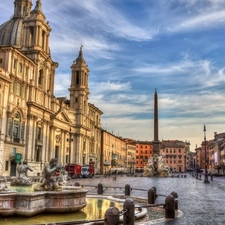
(133, 47)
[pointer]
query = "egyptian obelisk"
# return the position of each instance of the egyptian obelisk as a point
(156, 142)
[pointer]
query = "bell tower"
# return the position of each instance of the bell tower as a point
(37, 31)
(79, 90)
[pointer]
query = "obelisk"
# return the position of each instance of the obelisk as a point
(156, 142)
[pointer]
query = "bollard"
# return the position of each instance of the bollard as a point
(169, 207)
(112, 216)
(77, 184)
(151, 196)
(211, 177)
(127, 189)
(100, 189)
(175, 195)
(128, 217)
(200, 176)
(154, 188)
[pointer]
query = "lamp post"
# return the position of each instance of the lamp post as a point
(206, 172)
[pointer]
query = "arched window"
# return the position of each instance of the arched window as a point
(16, 128)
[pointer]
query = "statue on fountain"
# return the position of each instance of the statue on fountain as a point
(3, 185)
(22, 179)
(48, 182)
(156, 167)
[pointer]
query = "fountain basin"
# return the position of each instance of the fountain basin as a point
(34, 203)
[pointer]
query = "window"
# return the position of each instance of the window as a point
(43, 39)
(14, 63)
(38, 154)
(10, 127)
(27, 71)
(39, 131)
(16, 128)
(77, 78)
(56, 152)
(40, 78)
(6, 165)
(31, 36)
(67, 159)
(21, 68)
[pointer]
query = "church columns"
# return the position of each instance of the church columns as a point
(63, 147)
(51, 143)
(30, 132)
(46, 134)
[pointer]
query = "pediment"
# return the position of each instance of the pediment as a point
(62, 116)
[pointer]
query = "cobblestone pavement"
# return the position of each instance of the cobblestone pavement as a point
(201, 204)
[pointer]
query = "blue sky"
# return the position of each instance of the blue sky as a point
(135, 46)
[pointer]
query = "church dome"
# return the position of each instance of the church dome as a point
(11, 32)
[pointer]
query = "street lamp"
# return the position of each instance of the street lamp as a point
(206, 172)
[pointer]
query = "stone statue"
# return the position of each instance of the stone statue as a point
(22, 179)
(48, 182)
(3, 185)
(156, 167)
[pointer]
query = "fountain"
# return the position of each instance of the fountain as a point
(156, 167)
(49, 194)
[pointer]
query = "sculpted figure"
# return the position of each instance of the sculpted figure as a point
(22, 179)
(3, 185)
(156, 167)
(47, 182)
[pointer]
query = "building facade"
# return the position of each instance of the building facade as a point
(114, 153)
(144, 150)
(34, 124)
(174, 153)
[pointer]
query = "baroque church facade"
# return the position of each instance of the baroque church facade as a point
(34, 124)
